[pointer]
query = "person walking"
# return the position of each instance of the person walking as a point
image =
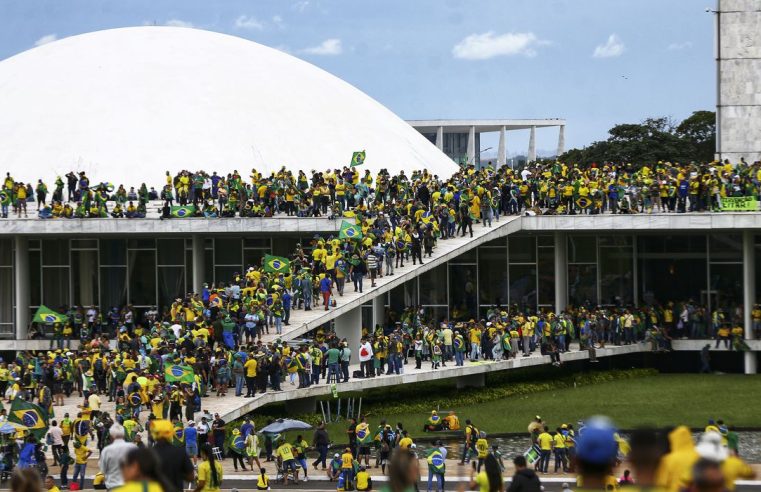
(524, 479)
(112, 456)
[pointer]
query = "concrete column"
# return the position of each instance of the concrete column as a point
(502, 150)
(471, 381)
(561, 140)
(21, 283)
(561, 271)
(749, 295)
(532, 145)
(349, 326)
(379, 311)
(472, 145)
(199, 266)
(440, 138)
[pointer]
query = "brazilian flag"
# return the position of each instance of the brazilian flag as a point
(47, 316)
(584, 202)
(178, 439)
(358, 158)
(181, 212)
(30, 415)
(179, 372)
(5, 197)
(276, 264)
(350, 231)
(237, 443)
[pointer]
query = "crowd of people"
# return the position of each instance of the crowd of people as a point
(486, 193)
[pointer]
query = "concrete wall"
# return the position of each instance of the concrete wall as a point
(739, 64)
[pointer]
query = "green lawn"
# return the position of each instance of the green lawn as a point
(658, 400)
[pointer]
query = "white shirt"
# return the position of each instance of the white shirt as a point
(56, 434)
(111, 460)
(365, 352)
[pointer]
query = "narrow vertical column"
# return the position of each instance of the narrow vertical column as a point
(199, 267)
(21, 274)
(349, 326)
(379, 311)
(440, 138)
(532, 145)
(749, 295)
(561, 271)
(561, 140)
(472, 145)
(502, 149)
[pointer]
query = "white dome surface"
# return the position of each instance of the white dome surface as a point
(126, 105)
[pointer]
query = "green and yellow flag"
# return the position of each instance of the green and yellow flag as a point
(5, 197)
(29, 415)
(350, 231)
(358, 158)
(181, 212)
(47, 316)
(276, 264)
(179, 373)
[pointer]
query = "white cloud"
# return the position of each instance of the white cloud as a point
(48, 38)
(178, 23)
(248, 22)
(488, 45)
(612, 48)
(328, 47)
(277, 20)
(300, 6)
(680, 46)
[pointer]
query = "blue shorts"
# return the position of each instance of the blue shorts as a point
(191, 449)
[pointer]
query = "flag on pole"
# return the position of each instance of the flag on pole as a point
(350, 231)
(358, 158)
(29, 415)
(179, 373)
(276, 264)
(47, 316)
(181, 212)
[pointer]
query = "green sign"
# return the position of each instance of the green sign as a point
(739, 204)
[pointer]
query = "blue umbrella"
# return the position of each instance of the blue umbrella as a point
(282, 425)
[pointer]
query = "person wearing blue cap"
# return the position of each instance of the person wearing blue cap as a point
(596, 451)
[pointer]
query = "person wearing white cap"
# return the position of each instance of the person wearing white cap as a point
(191, 441)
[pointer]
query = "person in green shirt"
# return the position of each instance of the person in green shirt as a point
(333, 356)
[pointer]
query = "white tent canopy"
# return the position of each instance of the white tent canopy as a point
(127, 105)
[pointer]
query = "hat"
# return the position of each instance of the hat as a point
(336, 455)
(191, 422)
(597, 444)
(710, 447)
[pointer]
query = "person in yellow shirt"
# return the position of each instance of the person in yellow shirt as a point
(209, 478)
(250, 368)
(545, 441)
(81, 454)
(482, 448)
(50, 485)
(559, 448)
(734, 468)
(364, 482)
(406, 441)
(285, 455)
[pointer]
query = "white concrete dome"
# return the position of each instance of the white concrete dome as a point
(126, 105)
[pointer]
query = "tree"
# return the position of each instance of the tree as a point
(700, 130)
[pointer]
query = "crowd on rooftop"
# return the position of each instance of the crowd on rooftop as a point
(485, 194)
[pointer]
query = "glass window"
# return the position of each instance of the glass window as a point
(171, 285)
(55, 287)
(208, 266)
(682, 243)
(582, 249)
(35, 279)
(84, 277)
(462, 287)
(255, 242)
(113, 252)
(253, 257)
(55, 252)
(113, 287)
(492, 280)
(436, 314)
(500, 241)
(616, 280)
(615, 240)
(582, 284)
(522, 249)
(663, 279)
(546, 266)
(433, 286)
(142, 243)
(225, 273)
(84, 243)
(545, 240)
(404, 296)
(6, 252)
(6, 295)
(467, 257)
(142, 277)
(726, 247)
(228, 252)
(523, 287)
(727, 285)
(170, 251)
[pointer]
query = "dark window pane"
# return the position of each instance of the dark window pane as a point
(492, 271)
(467, 257)
(253, 257)
(142, 277)
(726, 247)
(227, 252)
(84, 243)
(727, 286)
(55, 252)
(142, 243)
(522, 249)
(84, 277)
(523, 287)
(208, 265)
(435, 314)
(35, 280)
(404, 296)
(55, 287)
(545, 240)
(433, 286)
(113, 287)
(170, 251)
(171, 285)
(582, 284)
(6, 295)
(672, 279)
(462, 286)
(253, 242)
(225, 274)
(582, 249)
(666, 246)
(616, 281)
(615, 240)
(6, 252)
(546, 265)
(113, 252)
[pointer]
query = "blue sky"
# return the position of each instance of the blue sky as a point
(593, 62)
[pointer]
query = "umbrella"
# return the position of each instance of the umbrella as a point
(282, 425)
(12, 428)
